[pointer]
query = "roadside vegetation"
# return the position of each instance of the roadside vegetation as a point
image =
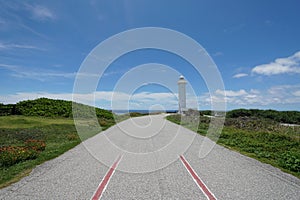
(34, 131)
(256, 133)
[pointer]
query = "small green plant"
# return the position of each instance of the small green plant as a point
(10, 155)
(290, 160)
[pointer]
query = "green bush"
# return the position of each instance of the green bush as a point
(10, 155)
(36, 145)
(290, 160)
(292, 117)
(256, 136)
(136, 114)
(53, 108)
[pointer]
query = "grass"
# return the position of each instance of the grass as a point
(20, 121)
(262, 139)
(59, 134)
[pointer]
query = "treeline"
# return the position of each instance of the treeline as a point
(291, 117)
(52, 108)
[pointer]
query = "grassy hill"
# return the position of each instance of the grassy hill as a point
(49, 108)
(34, 131)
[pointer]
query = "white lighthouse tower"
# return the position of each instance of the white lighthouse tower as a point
(181, 95)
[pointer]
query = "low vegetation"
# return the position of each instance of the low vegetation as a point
(34, 131)
(30, 149)
(44, 107)
(290, 117)
(259, 135)
(17, 156)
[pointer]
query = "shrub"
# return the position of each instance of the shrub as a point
(290, 160)
(53, 108)
(136, 114)
(72, 136)
(36, 145)
(10, 155)
(292, 117)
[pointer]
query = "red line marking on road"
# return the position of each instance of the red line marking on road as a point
(209, 195)
(103, 184)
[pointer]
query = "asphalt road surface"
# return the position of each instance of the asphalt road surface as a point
(152, 158)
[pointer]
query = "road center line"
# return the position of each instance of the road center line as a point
(103, 184)
(209, 195)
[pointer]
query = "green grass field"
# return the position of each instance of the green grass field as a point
(58, 134)
(19, 121)
(263, 139)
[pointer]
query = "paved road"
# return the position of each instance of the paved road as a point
(223, 174)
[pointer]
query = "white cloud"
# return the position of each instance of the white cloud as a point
(280, 66)
(14, 98)
(8, 67)
(41, 13)
(240, 75)
(106, 99)
(110, 99)
(231, 93)
(43, 75)
(3, 24)
(35, 74)
(254, 91)
(143, 100)
(4, 46)
(276, 96)
(297, 93)
(218, 53)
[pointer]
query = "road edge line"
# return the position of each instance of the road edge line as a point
(104, 182)
(209, 195)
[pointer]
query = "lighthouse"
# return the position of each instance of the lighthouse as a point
(181, 94)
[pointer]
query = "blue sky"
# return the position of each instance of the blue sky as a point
(255, 45)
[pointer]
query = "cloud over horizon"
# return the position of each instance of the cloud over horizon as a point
(276, 95)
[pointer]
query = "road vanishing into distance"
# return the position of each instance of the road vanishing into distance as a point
(151, 158)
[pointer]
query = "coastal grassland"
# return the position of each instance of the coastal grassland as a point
(27, 141)
(34, 131)
(261, 138)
